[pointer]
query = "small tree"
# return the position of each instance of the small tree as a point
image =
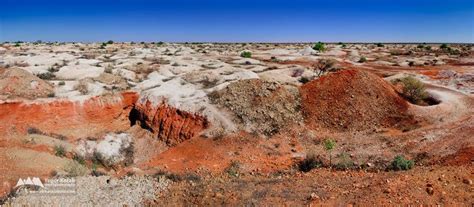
(110, 42)
(444, 46)
(324, 66)
(319, 47)
(329, 145)
(379, 45)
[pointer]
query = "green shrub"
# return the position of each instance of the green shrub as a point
(233, 169)
(379, 45)
(246, 54)
(61, 83)
(59, 151)
(79, 159)
(46, 76)
(401, 163)
(413, 89)
(110, 42)
(329, 145)
(362, 59)
(319, 47)
(444, 46)
(309, 163)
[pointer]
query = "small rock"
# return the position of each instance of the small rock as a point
(430, 190)
(467, 181)
(313, 196)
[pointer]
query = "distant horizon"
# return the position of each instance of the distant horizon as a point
(184, 42)
(245, 21)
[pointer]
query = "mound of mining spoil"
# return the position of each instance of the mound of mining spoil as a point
(16, 82)
(260, 106)
(353, 100)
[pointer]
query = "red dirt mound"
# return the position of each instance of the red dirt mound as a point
(353, 100)
(169, 124)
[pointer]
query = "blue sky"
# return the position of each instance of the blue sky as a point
(238, 20)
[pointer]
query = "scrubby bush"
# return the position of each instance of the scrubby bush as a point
(110, 42)
(233, 169)
(413, 89)
(344, 161)
(319, 47)
(309, 163)
(379, 45)
(59, 151)
(46, 76)
(324, 66)
(246, 54)
(444, 46)
(74, 169)
(62, 83)
(79, 159)
(401, 163)
(362, 59)
(33, 130)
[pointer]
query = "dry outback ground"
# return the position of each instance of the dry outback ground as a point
(239, 124)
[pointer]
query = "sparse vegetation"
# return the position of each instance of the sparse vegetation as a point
(413, 89)
(75, 169)
(344, 161)
(62, 83)
(46, 76)
(362, 59)
(59, 151)
(444, 46)
(380, 45)
(319, 47)
(233, 169)
(329, 145)
(324, 66)
(246, 54)
(79, 159)
(401, 163)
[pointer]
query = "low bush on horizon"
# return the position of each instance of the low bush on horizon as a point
(246, 54)
(401, 163)
(319, 46)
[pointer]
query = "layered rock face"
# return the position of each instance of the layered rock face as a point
(72, 119)
(168, 123)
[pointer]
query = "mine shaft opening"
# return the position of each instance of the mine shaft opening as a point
(135, 118)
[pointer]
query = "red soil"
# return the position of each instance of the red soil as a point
(168, 123)
(352, 100)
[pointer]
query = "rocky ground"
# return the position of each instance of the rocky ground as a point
(200, 124)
